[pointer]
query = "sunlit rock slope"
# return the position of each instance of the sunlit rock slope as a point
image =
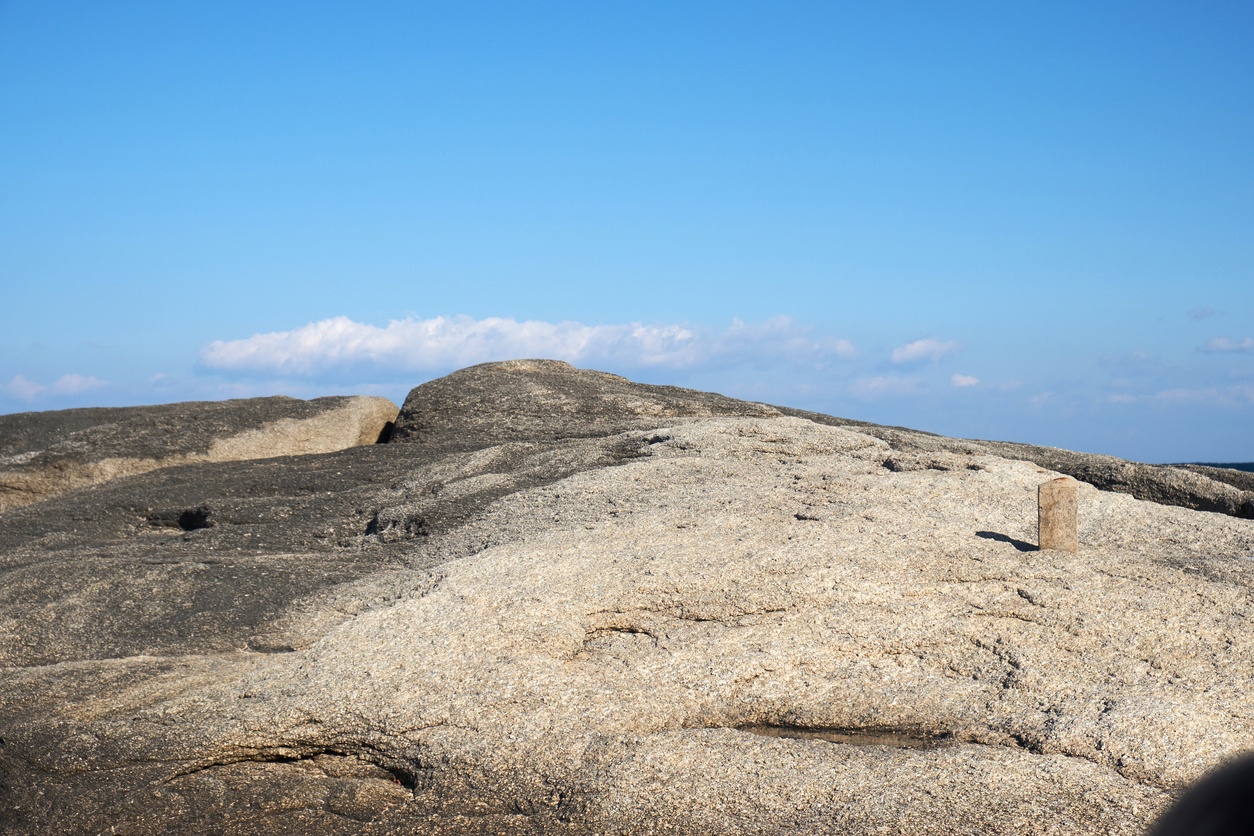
(560, 602)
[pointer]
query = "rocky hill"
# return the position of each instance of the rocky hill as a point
(556, 601)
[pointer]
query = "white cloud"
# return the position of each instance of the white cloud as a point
(1187, 395)
(68, 384)
(20, 387)
(1228, 396)
(1202, 312)
(1225, 344)
(925, 349)
(453, 342)
(964, 380)
(876, 387)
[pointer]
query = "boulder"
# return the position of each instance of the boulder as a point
(693, 616)
(46, 453)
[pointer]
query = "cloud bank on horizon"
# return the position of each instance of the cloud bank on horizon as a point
(447, 343)
(779, 360)
(1225, 344)
(26, 389)
(342, 351)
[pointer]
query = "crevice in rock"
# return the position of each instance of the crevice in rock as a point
(402, 775)
(1027, 743)
(185, 519)
(270, 649)
(601, 634)
(923, 739)
(854, 736)
(400, 527)
(385, 434)
(628, 449)
(680, 613)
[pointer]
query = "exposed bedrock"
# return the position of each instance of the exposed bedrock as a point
(688, 615)
(548, 400)
(1188, 486)
(46, 453)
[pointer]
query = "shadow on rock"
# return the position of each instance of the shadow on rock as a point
(1004, 538)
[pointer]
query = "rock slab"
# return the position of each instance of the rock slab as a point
(659, 620)
(47, 453)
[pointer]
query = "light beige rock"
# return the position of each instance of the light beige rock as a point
(1056, 527)
(603, 651)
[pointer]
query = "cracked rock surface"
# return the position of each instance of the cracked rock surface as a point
(673, 618)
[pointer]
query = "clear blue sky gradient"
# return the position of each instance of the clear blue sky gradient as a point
(1061, 194)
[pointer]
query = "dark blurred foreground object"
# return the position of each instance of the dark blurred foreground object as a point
(1220, 804)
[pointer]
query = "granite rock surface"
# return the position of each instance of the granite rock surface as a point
(46, 453)
(1201, 488)
(548, 400)
(680, 614)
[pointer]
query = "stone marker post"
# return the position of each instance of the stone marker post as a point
(1056, 515)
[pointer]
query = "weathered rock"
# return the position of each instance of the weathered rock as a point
(1185, 487)
(46, 453)
(1057, 515)
(1242, 479)
(1198, 487)
(696, 625)
(547, 400)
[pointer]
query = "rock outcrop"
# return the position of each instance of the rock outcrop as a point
(548, 400)
(46, 453)
(565, 603)
(1188, 486)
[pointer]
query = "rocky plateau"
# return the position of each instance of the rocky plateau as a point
(549, 600)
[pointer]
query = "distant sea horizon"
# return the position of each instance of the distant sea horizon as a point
(1248, 467)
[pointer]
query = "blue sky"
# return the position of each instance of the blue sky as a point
(1031, 222)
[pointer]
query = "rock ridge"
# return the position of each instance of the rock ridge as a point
(550, 399)
(562, 603)
(44, 454)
